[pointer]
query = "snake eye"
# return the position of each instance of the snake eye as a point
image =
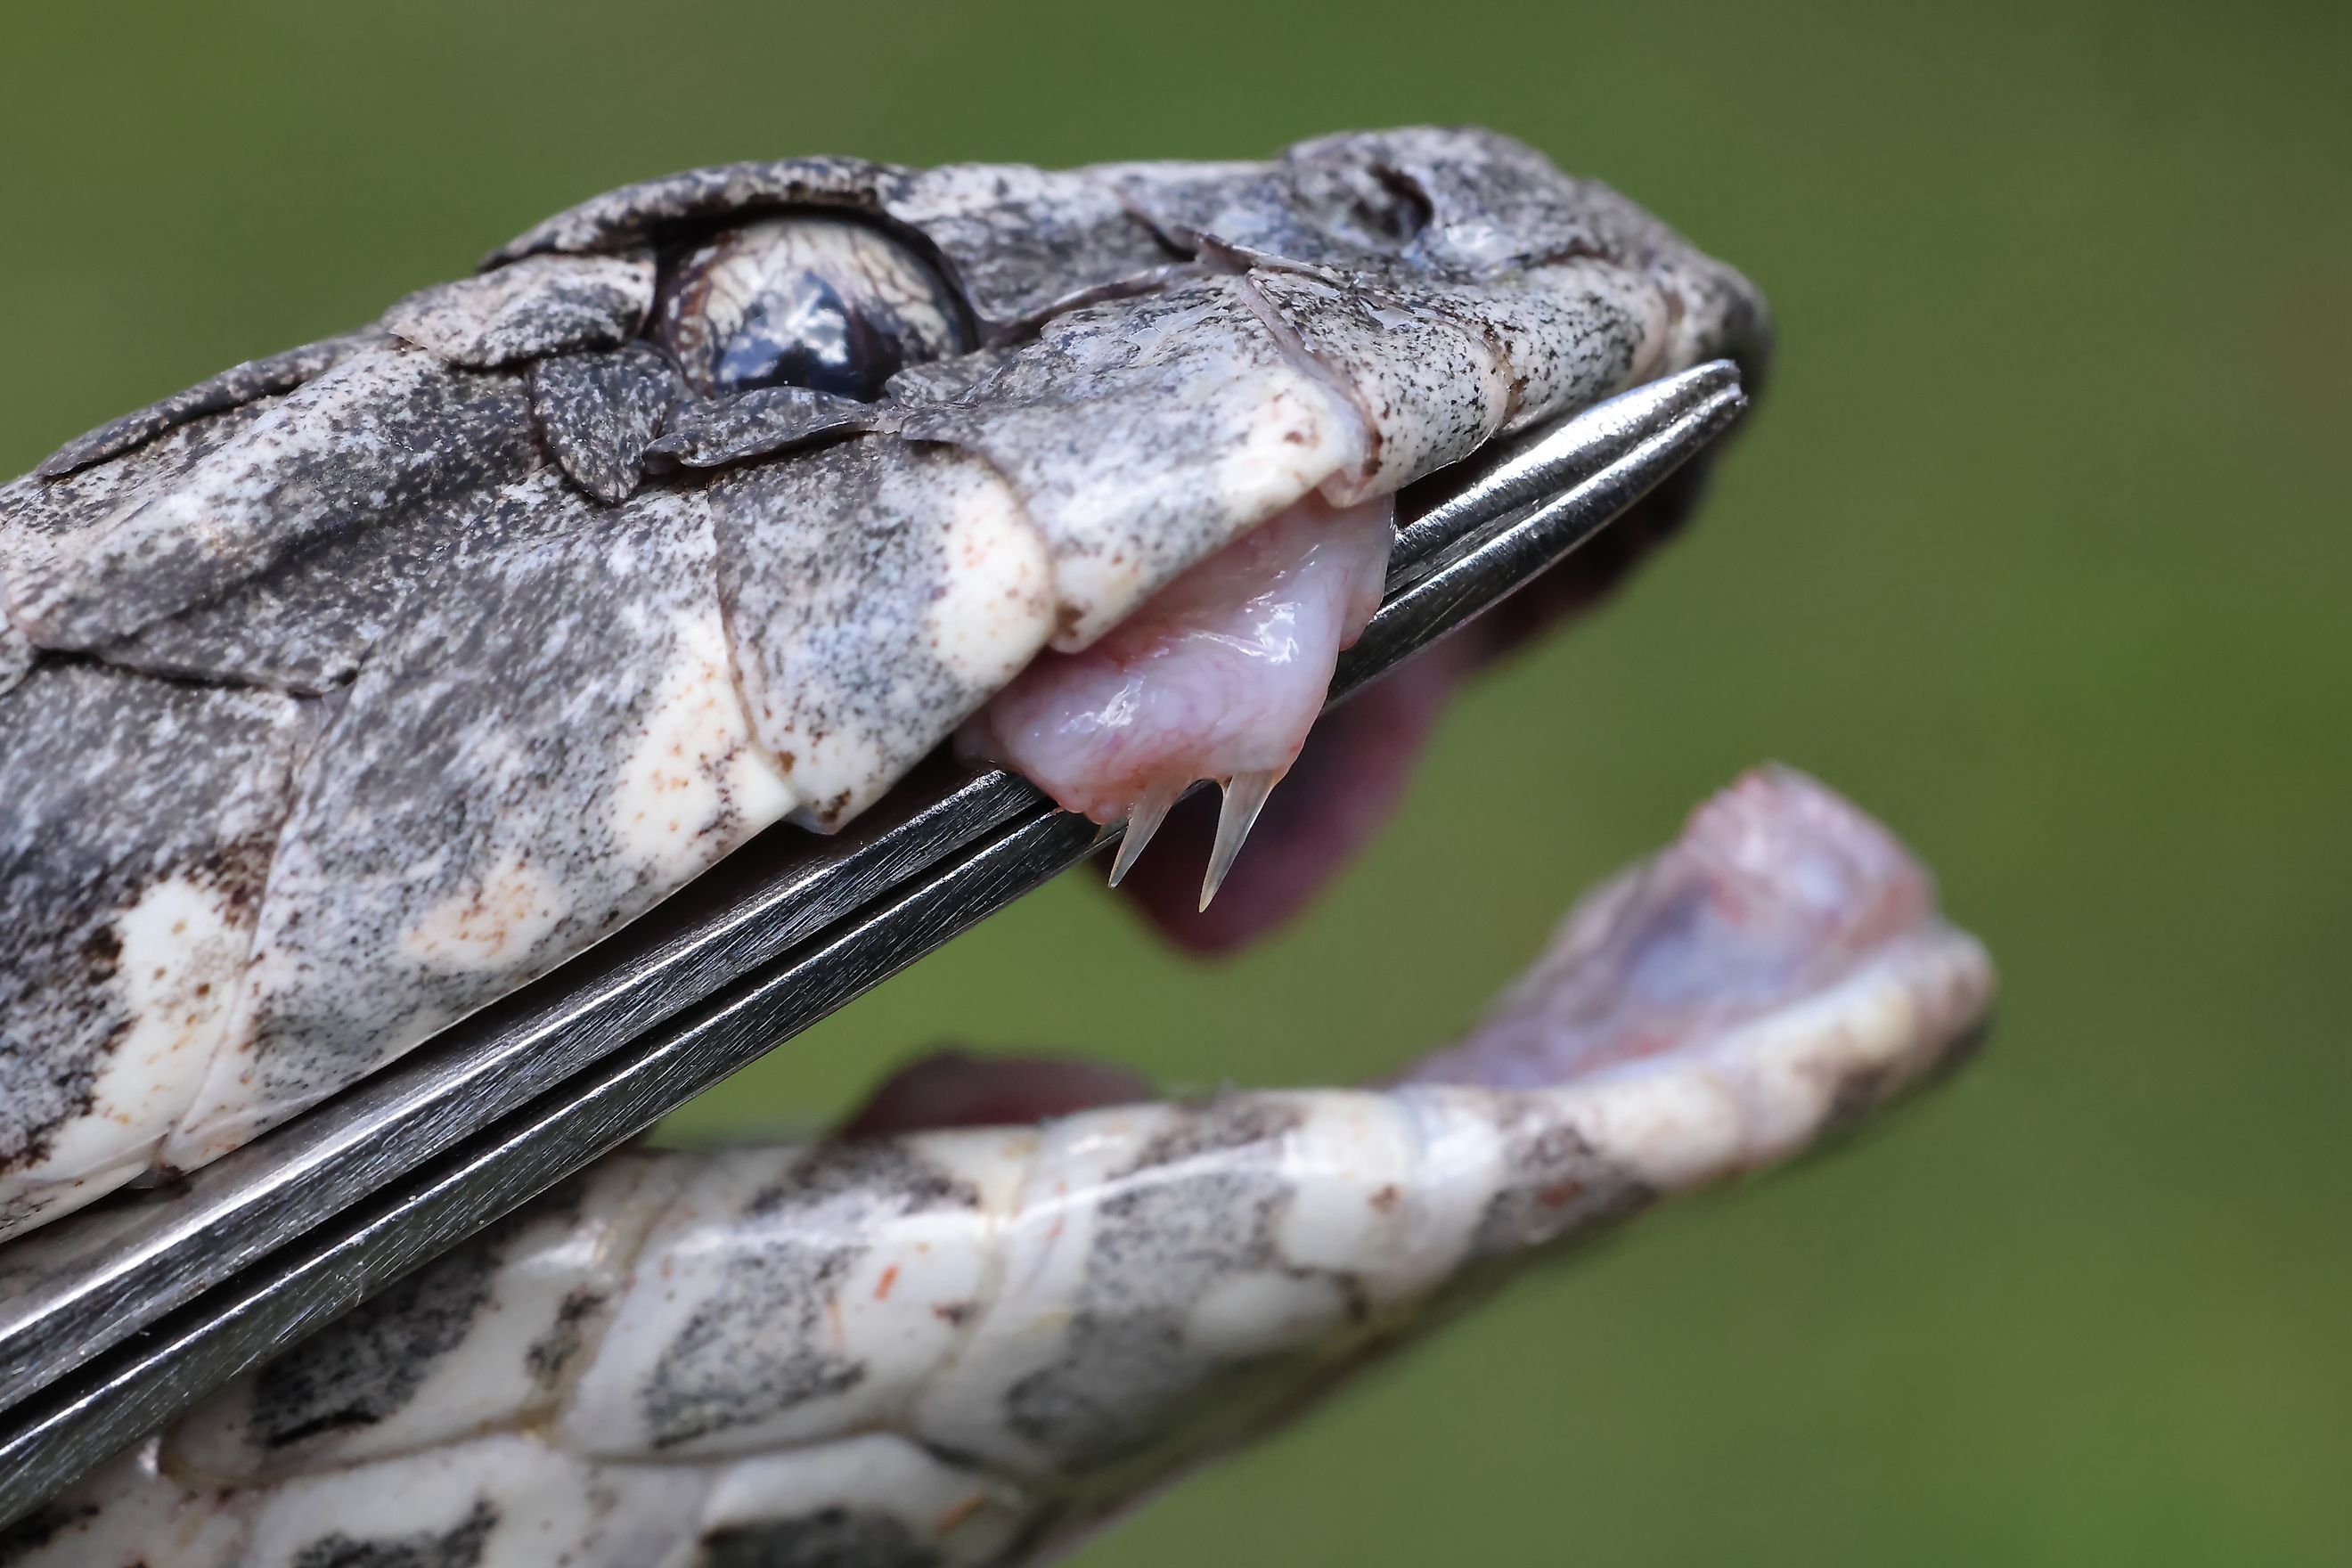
(821, 302)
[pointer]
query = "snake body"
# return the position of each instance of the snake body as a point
(970, 1345)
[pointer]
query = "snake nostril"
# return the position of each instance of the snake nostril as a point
(813, 300)
(1376, 205)
(1402, 210)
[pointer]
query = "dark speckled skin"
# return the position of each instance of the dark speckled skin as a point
(1494, 206)
(598, 410)
(1196, 1209)
(307, 623)
(829, 1538)
(382, 433)
(481, 547)
(15, 651)
(1560, 1185)
(123, 795)
(652, 208)
(460, 1547)
(824, 565)
(363, 1367)
(40, 516)
(757, 1345)
(239, 384)
(527, 761)
(761, 423)
(542, 305)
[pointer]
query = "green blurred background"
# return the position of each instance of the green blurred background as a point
(2038, 549)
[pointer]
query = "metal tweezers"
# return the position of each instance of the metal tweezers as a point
(115, 1320)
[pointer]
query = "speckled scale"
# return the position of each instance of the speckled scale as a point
(632, 214)
(382, 432)
(242, 384)
(1146, 434)
(1490, 211)
(1024, 242)
(41, 517)
(307, 621)
(548, 743)
(806, 1294)
(15, 649)
(1430, 388)
(598, 410)
(487, 1337)
(878, 593)
(537, 306)
(132, 855)
(762, 423)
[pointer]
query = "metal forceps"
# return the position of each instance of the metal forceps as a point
(114, 1320)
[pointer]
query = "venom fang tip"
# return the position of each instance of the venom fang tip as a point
(1244, 798)
(1143, 819)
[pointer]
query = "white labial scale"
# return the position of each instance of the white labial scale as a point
(877, 593)
(1044, 1249)
(1432, 389)
(183, 944)
(136, 836)
(695, 763)
(1144, 434)
(793, 1295)
(981, 622)
(1571, 333)
(532, 1321)
(29, 1201)
(548, 742)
